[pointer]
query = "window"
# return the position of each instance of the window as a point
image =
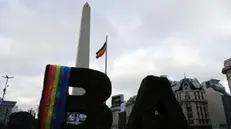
(186, 85)
(203, 121)
(191, 122)
(187, 96)
(195, 95)
(204, 109)
(186, 92)
(206, 116)
(188, 104)
(190, 115)
(204, 103)
(207, 121)
(189, 109)
(202, 115)
(200, 109)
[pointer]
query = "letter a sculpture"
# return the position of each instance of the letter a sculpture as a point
(155, 95)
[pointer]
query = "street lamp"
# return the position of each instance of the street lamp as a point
(3, 94)
(6, 85)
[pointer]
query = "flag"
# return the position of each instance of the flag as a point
(101, 51)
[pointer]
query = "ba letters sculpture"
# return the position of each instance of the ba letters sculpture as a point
(154, 94)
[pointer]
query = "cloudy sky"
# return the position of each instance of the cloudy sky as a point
(145, 37)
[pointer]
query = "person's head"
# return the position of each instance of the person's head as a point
(21, 120)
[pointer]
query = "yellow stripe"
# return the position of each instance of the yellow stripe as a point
(53, 94)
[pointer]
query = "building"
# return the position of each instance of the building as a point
(129, 105)
(5, 110)
(122, 116)
(227, 106)
(32, 112)
(227, 70)
(116, 101)
(191, 97)
(214, 92)
(205, 105)
(15, 109)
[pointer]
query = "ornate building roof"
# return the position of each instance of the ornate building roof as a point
(180, 85)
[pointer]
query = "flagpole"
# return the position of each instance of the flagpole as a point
(106, 57)
(106, 61)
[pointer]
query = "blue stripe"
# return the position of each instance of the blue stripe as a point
(104, 45)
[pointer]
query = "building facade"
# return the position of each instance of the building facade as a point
(213, 93)
(227, 106)
(205, 105)
(227, 71)
(191, 97)
(15, 109)
(116, 101)
(129, 105)
(5, 110)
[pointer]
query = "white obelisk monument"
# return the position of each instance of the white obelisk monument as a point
(82, 59)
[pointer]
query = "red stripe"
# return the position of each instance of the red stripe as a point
(46, 97)
(44, 94)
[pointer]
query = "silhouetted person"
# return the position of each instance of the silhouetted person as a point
(22, 120)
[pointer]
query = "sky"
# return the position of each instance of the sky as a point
(148, 37)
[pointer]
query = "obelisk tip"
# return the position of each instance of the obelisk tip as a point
(86, 4)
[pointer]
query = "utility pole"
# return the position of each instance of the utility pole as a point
(6, 85)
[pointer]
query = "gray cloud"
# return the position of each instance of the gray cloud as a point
(148, 37)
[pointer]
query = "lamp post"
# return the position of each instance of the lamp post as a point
(6, 85)
(3, 95)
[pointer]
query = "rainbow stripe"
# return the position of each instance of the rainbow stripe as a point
(54, 95)
(102, 50)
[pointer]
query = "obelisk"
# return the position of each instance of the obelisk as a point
(82, 59)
